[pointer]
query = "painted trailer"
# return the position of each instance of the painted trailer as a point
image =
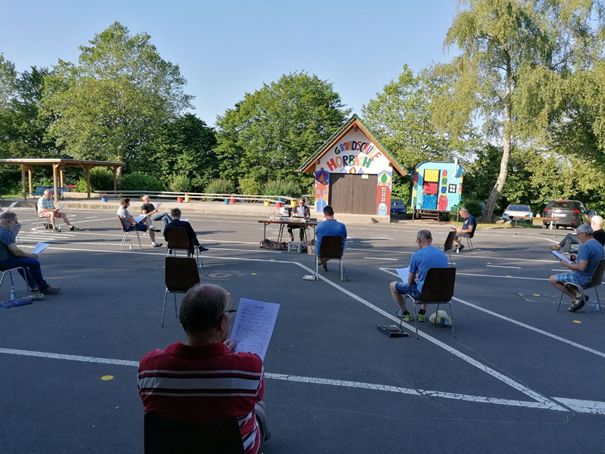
(436, 189)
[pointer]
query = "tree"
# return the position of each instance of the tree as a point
(113, 102)
(508, 50)
(272, 131)
(8, 80)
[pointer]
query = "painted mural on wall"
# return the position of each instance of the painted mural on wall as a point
(354, 153)
(437, 186)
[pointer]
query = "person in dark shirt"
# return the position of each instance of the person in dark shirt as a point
(175, 215)
(152, 212)
(596, 222)
(467, 230)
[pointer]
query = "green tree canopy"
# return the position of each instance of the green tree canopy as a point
(115, 99)
(271, 132)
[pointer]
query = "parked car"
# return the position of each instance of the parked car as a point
(517, 213)
(398, 207)
(566, 213)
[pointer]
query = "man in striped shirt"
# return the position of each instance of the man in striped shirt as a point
(202, 379)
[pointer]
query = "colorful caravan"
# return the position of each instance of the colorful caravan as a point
(353, 172)
(436, 189)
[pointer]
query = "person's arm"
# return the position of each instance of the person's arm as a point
(191, 233)
(17, 252)
(576, 266)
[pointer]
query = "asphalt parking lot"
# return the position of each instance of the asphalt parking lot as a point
(519, 377)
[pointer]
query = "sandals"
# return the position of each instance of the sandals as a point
(73, 228)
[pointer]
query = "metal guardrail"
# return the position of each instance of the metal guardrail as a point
(200, 196)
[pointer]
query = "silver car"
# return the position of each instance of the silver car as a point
(517, 213)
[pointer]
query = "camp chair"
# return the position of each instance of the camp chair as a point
(45, 222)
(331, 248)
(180, 275)
(595, 281)
(468, 236)
(438, 288)
(22, 271)
(124, 228)
(449, 244)
(163, 435)
(178, 240)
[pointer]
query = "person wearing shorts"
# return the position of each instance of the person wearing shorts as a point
(590, 253)
(46, 209)
(129, 223)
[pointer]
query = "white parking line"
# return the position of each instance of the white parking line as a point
(381, 258)
(504, 266)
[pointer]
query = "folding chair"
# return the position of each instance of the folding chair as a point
(124, 228)
(438, 288)
(164, 435)
(46, 221)
(178, 240)
(22, 271)
(449, 244)
(595, 281)
(180, 275)
(331, 248)
(468, 236)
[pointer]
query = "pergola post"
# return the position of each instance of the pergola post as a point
(55, 168)
(114, 170)
(23, 182)
(61, 185)
(87, 172)
(29, 180)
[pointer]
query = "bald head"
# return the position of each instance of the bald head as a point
(202, 308)
(596, 222)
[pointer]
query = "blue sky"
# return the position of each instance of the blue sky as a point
(227, 48)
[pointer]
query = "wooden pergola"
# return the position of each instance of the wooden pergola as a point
(58, 165)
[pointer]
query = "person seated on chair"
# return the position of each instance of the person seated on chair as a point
(427, 257)
(596, 222)
(152, 213)
(11, 256)
(175, 215)
(467, 230)
(202, 378)
(301, 211)
(129, 223)
(329, 227)
(46, 209)
(589, 255)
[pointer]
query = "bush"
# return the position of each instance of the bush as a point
(281, 187)
(179, 183)
(474, 207)
(219, 186)
(249, 186)
(101, 179)
(140, 181)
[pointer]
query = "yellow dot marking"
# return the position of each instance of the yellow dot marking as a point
(578, 322)
(106, 377)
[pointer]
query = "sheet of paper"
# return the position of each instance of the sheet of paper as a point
(157, 206)
(253, 326)
(404, 274)
(561, 257)
(39, 248)
(139, 218)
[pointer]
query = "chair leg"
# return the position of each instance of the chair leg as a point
(415, 317)
(316, 267)
(342, 269)
(436, 312)
(139, 238)
(452, 317)
(175, 311)
(124, 237)
(164, 306)
(598, 299)
(560, 299)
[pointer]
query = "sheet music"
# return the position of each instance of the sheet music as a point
(139, 218)
(157, 206)
(404, 274)
(39, 248)
(253, 326)
(561, 257)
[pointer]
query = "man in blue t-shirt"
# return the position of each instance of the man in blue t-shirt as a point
(329, 227)
(427, 257)
(590, 254)
(467, 230)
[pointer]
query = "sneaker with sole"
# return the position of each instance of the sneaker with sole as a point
(421, 317)
(460, 248)
(155, 229)
(577, 305)
(36, 296)
(202, 248)
(73, 228)
(156, 244)
(407, 317)
(50, 290)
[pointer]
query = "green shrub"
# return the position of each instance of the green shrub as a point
(249, 186)
(140, 181)
(179, 183)
(220, 186)
(281, 187)
(474, 207)
(101, 179)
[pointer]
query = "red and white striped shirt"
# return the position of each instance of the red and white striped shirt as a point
(204, 383)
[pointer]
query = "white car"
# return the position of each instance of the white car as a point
(518, 213)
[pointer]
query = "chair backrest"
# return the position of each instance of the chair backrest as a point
(449, 241)
(331, 247)
(597, 276)
(438, 285)
(122, 224)
(177, 238)
(181, 273)
(166, 435)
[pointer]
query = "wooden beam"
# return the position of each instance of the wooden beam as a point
(56, 197)
(87, 172)
(23, 191)
(61, 185)
(29, 180)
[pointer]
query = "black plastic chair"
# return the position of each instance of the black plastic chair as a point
(181, 274)
(331, 248)
(449, 244)
(178, 240)
(438, 288)
(595, 281)
(172, 436)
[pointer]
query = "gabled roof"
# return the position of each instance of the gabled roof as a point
(354, 121)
